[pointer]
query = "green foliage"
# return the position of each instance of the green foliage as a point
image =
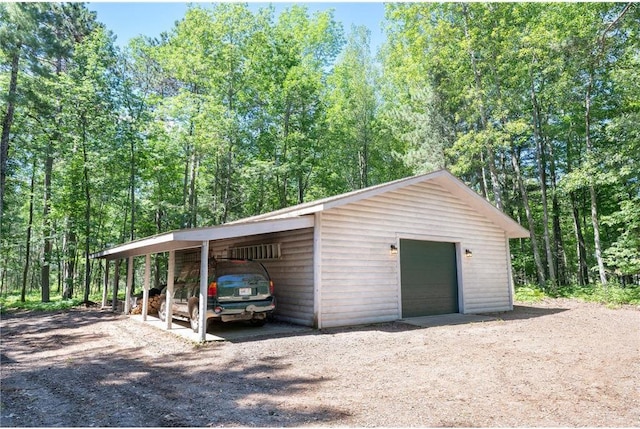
(512, 83)
(12, 302)
(529, 293)
(612, 294)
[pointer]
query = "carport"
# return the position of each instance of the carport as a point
(179, 240)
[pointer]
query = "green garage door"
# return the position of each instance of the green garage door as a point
(429, 278)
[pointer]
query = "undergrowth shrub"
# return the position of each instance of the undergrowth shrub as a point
(32, 302)
(611, 294)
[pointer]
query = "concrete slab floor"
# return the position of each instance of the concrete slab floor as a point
(234, 332)
(446, 319)
(177, 328)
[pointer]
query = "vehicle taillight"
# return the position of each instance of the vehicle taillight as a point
(271, 287)
(213, 290)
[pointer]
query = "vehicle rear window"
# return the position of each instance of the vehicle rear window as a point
(231, 268)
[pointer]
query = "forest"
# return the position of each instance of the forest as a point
(234, 112)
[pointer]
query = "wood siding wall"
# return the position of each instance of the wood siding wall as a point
(360, 280)
(292, 274)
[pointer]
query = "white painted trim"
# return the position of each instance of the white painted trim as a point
(399, 277)
(460, 279)
(168, 297)
(202, 303)
(317, 271)
(145, 290)
(427, 237)
(512, 291)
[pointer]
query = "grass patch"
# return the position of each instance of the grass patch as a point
(612, 295)
(33, 302)
(529, 293)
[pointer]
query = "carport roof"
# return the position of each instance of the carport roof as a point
(301, 216)
(190, 238)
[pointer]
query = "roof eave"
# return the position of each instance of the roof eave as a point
(190, 238)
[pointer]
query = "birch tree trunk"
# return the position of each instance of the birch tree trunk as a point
(592, 190)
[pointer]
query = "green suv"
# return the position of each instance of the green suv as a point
(238, 290)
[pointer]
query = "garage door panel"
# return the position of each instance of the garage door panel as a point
(428, 277)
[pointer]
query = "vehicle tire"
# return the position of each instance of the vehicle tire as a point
(162, 311)
(258, 322)
(194, 320)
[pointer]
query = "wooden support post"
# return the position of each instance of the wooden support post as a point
(116, 280)
(105, 291)
(204, 277)
(145, 293)
(169, 293)
(127, 295)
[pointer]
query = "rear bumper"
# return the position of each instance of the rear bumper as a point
(231, 311)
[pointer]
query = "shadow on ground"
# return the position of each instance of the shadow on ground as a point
(123, 387)
(522, 312)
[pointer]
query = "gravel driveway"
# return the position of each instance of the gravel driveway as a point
(557, 363)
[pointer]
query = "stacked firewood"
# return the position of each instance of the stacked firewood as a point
(152, 308)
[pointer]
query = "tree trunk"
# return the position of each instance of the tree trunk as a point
(495, 182)
(560, 255)
(156, 278)
(589, 144)
(281, 159)
(583, 267)
(7, 121)
(484, 183)
(48, 170)
(27, 258)
(226, 201)
(132, 184)
(185, 179)
(525, 202)
(193, 198)
(542, 175)
(592, 191)
(87, 215)
(69, 248)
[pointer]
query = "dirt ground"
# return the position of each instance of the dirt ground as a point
(557, 363)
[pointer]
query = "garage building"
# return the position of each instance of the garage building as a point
(423, 245)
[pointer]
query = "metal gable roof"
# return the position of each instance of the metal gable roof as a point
(298, 217)
(442, 177)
